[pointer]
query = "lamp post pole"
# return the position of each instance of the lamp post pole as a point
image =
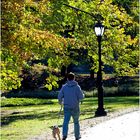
(100, 110)
(99, 29)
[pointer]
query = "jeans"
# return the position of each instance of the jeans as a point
(75, 115)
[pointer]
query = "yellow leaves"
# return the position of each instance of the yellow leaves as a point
(122, 15)
(121, 30)
(9, 78)
(48, 86)
(41, 6)
(27, 39)
(51, 82)
(49, 39)
(131, 41)
(12, 6)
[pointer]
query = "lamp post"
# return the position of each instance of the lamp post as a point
(99, 30)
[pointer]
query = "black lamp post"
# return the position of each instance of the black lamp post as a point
(99, 30)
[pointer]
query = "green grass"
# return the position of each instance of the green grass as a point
(25, 120)
(8, 102)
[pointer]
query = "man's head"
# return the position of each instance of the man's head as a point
(71, 76)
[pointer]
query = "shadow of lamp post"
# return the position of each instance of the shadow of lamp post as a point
(99, 30)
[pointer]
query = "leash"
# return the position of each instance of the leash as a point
(59, 114)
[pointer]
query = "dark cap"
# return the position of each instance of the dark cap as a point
(71, 76)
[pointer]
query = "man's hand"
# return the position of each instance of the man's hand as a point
(60, 102)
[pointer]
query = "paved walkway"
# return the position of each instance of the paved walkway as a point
(126, 127)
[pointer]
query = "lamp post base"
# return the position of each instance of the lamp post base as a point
(100, 112)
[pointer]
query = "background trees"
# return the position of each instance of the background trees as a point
(44, 29)
(26, 38)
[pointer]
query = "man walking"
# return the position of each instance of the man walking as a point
(72, 95)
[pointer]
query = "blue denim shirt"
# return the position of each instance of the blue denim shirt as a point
(72, 94)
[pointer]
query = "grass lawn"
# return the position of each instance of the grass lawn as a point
(23, 118)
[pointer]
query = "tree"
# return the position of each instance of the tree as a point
(119, 47)
(36, 29)
(25, 38)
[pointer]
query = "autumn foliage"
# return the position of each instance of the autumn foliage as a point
(47, 29)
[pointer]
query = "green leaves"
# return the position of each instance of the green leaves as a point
(9, 79)
(51, 82)
(37, 30)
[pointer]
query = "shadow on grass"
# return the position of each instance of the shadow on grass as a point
(111, 104)
(15, 116)
(86, 110)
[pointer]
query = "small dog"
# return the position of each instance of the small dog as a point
(56, 132)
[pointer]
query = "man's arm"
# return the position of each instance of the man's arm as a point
(60, 96)
(80, 93)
